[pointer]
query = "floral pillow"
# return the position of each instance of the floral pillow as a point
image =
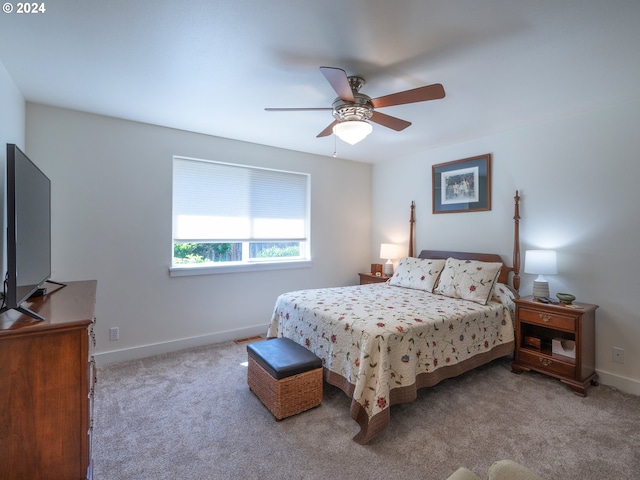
(468, 279)
(505, 295)
(417, 273)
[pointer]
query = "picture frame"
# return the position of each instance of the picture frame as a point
(462, 185)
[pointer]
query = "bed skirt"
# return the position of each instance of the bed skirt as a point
(370, 428)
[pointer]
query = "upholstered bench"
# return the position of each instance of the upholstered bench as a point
(285, 376)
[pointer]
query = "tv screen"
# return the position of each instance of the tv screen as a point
(28, 230)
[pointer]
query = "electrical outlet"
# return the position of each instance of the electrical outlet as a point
(114, 333)
(618, 355)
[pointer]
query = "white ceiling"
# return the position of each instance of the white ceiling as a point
(211, 66)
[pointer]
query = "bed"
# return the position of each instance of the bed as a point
(441, 314)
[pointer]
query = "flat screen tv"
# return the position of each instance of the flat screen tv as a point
(28, 231)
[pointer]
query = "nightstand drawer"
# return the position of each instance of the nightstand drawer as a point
(544, 362)
(367, 278)
(547, 319)
(366, 281)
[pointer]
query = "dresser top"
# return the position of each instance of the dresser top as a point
(70, 305)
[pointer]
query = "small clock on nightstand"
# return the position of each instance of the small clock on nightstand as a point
(366, 278)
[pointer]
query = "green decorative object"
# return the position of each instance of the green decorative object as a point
(565, 298)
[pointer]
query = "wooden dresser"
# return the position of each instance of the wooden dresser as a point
(47, 379)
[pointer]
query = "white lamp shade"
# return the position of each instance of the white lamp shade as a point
(352, 131)
(388, 251)
(540, 262)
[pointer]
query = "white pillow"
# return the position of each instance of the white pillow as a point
(468, 279)
(417, 273)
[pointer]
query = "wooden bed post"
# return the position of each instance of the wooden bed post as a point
(412, 221)
(516, 243)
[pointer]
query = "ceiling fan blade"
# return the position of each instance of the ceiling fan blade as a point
(388, 121)
(327, 131)
(297, 109)
(339, 81)
(420, 94)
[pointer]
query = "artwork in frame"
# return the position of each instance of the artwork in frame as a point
(462, 186)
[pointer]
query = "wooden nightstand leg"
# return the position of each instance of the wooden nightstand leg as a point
(579, 390)
(515, 368)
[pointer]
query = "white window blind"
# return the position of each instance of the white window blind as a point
(214, 202)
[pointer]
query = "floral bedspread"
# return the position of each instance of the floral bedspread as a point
(380, 337)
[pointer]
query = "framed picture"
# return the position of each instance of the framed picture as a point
(462, 186)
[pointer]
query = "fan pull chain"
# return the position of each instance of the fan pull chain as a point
(335, 145)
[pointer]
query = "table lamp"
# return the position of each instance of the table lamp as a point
(540, 262)
(388, 251)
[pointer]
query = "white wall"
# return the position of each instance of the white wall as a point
(12, 130)
(111, 221)
(578, 178)
(12, 113)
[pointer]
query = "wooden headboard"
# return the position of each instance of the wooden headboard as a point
(484, 257)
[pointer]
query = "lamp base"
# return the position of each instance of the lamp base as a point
(540, 289)
(388, 269)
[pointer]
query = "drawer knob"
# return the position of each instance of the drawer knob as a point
(545, 362)
(544, 318)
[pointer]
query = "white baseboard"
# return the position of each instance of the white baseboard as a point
(624, 384)
(144, 351)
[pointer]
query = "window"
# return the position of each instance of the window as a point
(227, 215)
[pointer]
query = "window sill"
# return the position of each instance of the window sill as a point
(184, 271)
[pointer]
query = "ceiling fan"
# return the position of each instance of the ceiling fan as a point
(352, 109)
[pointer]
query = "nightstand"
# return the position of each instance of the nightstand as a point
(366, 278)
(545, 334)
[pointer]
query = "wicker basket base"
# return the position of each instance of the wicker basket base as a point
(289, 395)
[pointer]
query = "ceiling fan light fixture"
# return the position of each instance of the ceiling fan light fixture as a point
(352, 131)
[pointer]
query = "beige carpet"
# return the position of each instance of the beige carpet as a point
(190, 415)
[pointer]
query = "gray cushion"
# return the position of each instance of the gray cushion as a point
(500, 470)
(463, 474)
(510, 470)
